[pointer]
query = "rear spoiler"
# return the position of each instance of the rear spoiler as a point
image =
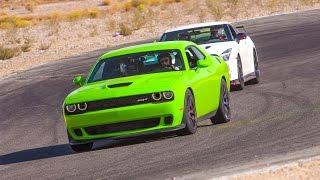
(241, 28)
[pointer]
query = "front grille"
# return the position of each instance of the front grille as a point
(119, 102)
(124, 126)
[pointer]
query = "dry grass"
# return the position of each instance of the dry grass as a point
(93, 13)
(125, 30)
(30, 5)
(7, 53)
(44, 46)
(216, 8)
(138, 20)
(106, 2)
(94, 31)
(111, 25)
(26, 47)
(7, 22)
(55, 17)
(75, 15)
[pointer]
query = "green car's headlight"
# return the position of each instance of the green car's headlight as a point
(76, 108)
(82, 106)
(168, 95)
(71, 108)
(162, 96)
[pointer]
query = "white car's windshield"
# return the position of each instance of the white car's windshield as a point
(137, 64)
(203, 35)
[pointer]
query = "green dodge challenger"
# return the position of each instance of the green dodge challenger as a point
(148, 88)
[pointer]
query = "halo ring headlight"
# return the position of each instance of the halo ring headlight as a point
(167, 95)
(82, 106)
(156, 96)
(71, 108)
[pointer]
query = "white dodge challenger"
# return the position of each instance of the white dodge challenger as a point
(220, 38)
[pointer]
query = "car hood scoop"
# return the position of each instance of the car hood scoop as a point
(119, 85)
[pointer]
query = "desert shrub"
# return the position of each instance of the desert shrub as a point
(138, 19)
(93, 12)
(26, 47)
(111, 25)
(307, 2)
(21, 23)
(153, 2)
(55, 17)
(75, 15)
(216, 8)
(6, 25)
(125, 30)
(136, 3)
(233, 2)
(44, 46)
(7, 22)
(106, 2)
(168, 1)
(7, 53)
(30, 5)
(94, 31)
(127, 6)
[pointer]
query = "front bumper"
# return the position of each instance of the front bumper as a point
(80, 126)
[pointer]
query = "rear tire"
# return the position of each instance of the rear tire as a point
(189, 115)
(223, 114)
(240, 86)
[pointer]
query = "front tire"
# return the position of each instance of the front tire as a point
(81, 147)
(223, 114)
(240, 86)
(189, 115)
(256, 80)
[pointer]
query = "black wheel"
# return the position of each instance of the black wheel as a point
(189, 115)
(81, 147)
(240, 86)
(223, 114)
(256, 80)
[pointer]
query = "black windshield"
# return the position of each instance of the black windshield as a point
(203, 35)
(137, 64)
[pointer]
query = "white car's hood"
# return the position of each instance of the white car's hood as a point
(219, 47)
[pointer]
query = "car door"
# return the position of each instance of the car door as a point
(200, 81)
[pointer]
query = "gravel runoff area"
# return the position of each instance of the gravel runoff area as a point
(300, 169)
(51, 42)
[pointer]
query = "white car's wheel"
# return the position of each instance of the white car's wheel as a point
(240, 84)
(256, 80)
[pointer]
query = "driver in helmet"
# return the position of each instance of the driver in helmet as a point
(165, 61)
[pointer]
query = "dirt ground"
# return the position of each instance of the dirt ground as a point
(48, 41)
(301, 169)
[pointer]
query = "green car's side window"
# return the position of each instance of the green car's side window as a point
(193, 55)
(99, 72)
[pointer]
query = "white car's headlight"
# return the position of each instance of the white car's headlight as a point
(226, 54)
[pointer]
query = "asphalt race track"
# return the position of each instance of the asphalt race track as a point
(275, 121)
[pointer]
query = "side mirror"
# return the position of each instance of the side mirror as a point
(79, 81)
(241, 36)
(202, 63)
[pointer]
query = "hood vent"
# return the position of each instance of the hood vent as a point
(119, 85)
